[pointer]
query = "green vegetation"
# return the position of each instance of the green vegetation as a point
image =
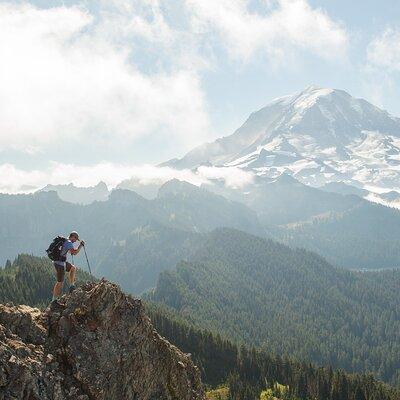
(364, 236)
(30, 280)
(277, 392)
(231, 372)
(290, 302)
(250, 374)
(221, 393)
(137, 261)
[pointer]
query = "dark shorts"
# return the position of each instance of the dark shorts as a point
(60, 270)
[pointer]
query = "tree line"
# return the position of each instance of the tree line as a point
(249, 372)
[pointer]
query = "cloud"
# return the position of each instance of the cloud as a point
(233, 177)
(66, 73)
(383, 63)
(128, 73)
(384, 50)
(284, 26)
(14, 180)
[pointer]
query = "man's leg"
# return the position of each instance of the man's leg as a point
(60, 280)
(71, 269)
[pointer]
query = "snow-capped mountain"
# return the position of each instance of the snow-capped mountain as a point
(318, 136)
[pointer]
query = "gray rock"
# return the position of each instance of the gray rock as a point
(97, 343)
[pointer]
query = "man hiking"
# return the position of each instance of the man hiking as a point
(61, 264)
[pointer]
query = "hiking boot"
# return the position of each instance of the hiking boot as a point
(72, 288)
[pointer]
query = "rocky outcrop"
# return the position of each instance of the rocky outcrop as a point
(96, 344)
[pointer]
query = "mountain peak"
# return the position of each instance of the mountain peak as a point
(315, 89)
(96, 344)
(312, 92)
(176, 186)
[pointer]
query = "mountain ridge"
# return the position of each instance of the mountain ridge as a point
(252, 290)
(79, 195)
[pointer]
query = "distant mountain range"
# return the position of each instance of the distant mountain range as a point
(79, 195)
(132, 239)
(120, 224)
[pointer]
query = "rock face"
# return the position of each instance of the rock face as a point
(97, 344)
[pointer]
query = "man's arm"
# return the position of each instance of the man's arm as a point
(74, 252)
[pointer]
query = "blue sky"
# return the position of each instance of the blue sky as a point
(91, 86)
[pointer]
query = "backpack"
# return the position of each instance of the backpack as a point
(54, 250)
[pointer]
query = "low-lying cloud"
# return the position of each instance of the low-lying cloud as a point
(14, 180)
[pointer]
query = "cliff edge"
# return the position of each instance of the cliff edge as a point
(96, 344)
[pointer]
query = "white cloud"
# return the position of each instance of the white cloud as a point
(15, 180)
(378, 74)
(287, 25)
(232, 176)
(384, 50)
(63, 73)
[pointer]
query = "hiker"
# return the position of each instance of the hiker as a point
(61, 265)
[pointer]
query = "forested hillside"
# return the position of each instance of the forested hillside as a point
(290, 302)
(30, 280)
(365, 236)
(136, 262)
(244, 372)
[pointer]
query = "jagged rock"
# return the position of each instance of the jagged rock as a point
(96, 344)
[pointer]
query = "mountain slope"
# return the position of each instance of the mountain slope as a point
(221, 362)
(199, 210)
(318, 136)
(255, 290)
(136, 262)
(246, 372)
(285, 200)
(365, 236)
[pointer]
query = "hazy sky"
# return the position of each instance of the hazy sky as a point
(94, 89)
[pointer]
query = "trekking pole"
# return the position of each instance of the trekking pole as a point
(87, 260)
